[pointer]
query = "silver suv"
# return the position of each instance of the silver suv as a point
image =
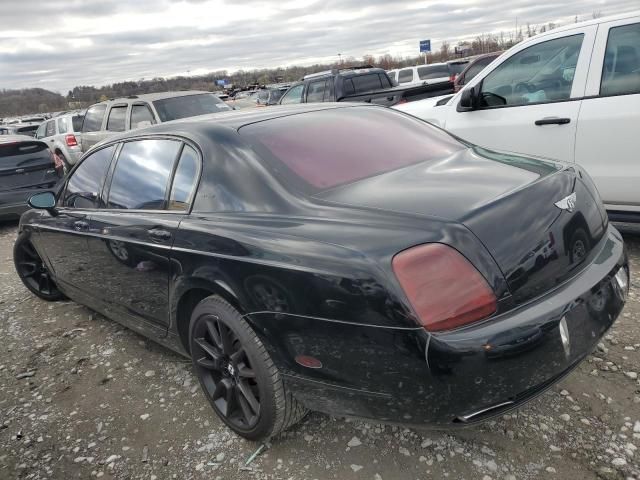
(61, 134)
(105, 119)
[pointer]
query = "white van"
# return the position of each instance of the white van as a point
(571, 94)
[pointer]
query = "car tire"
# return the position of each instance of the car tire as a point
(32, 271)
(236, 373)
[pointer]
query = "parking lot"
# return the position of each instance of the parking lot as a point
(83, 397)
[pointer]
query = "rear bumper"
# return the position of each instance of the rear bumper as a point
(463, 376)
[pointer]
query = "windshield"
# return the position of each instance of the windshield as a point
(189, 106)
(320, 150)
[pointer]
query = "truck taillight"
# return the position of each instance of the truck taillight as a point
(71, 140)
(452, 77)
(444, 288)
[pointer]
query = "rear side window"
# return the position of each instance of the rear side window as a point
(294, 95)
(184, 181)
(363, 84)
(430, 72)
(189, 106)
(93, 118)
(405, 76)
(141, 176)
(621, 69)
(318, 91)
(319, 150)
(141, 116)
(116, 120)
(83, 188)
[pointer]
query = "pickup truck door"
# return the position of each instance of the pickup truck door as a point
(529, 102)
(606, 141)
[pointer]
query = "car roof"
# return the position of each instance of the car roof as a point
(233, 119)
(150, 97)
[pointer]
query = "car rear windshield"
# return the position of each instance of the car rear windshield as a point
(320, 150)
(24, 154)
(189, 106)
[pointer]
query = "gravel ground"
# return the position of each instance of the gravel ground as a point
(83, 397)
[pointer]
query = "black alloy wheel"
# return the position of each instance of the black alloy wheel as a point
(226, 372)
(237, 374)
(32, 271)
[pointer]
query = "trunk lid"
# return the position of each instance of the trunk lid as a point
(507, 201)
(25, 164)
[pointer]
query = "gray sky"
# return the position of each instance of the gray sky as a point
(58, 44)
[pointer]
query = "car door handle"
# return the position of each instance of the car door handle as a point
(552, 121)
(81, 225)
(159, 234)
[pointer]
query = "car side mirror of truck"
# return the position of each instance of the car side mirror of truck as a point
(468, 100)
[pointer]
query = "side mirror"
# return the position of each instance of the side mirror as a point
(43, 201)
(468, 100)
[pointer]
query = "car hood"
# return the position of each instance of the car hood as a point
(508, 201)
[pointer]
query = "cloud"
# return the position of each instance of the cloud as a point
(74, 42)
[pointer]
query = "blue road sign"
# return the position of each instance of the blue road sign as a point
(425, 46)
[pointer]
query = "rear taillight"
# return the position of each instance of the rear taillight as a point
(402, 100)
(452, 77)
(443, 287)
(71, 140)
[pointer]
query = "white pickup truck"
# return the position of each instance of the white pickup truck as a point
(571, 94)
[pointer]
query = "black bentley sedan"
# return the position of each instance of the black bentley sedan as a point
(343, 258)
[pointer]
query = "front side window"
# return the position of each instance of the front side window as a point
(93, 118)
(318, 91)
(366, 83)
(142, 174)
(117, 115)
(184, 181)
(294, 95)
(185, 106)
(141, 116)
(542, 73)
(405, 76)
(83, 188)
(621, 69)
